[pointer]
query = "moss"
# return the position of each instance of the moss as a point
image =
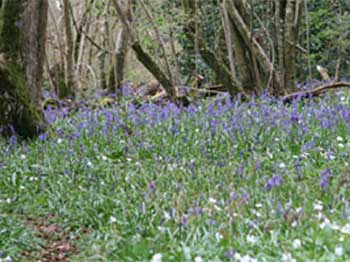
(62, 89)
(19, 111)
(10, 28)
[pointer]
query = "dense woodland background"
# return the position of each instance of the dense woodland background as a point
(75, 49)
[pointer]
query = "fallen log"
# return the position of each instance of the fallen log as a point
(314, 92)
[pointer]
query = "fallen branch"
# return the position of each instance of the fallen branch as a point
(314, 92)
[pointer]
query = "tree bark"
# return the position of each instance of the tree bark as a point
(116, 75)
(144, 57)
(243, 62)
(220, 70)
(69, 88)
(22, 41)
(292, 21)
(35, 24)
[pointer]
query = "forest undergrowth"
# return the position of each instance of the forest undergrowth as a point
(219, 180)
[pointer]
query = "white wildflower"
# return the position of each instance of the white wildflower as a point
(166, 215)
(282, 165)
(345, 229)
(296, 243)
(59, 141)
(162, 229)
(212, 200)
(319, 216)
(258, 205)
(33, 178)
(6, 259)
(157, 258)
(112, 220)
(217, 208)
(198, 259)
(23, 157)
(340, 139)
(237, 256)
(287, 257)
(252, 239)
(218, 236)
(318, 206)
(299, 209)
(325, 223)
(338, 251)
(341, 145)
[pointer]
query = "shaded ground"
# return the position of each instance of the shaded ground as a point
(59, 246)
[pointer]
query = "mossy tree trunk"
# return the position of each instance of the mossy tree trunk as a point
(22, 41)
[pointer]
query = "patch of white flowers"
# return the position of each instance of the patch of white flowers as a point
(338, 251)
(157, 258)
(252, 239)
(296, 243)
(287, 257)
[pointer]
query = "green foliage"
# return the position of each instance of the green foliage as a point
(16, 237)
(183, 189)
(329, 36)
(10, 37)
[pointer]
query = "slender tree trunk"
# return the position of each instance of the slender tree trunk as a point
(241, 52)
(104, 44)
(69, 88)
(280, 41)
(21, 65)
(148, 62)
(116, 76)
(79, 32)
(117, 73)
(292, 21)
(222, 73)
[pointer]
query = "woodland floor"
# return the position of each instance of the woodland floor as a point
(219, 180)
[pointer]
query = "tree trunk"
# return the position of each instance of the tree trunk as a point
(292, 21)
(69, 88)
(35, 23)
(146, 59)
(243, 62)
(22, 41)
(220, 70)
(117, 72)
(116, 75)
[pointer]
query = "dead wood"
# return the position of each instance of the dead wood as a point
(314, 92)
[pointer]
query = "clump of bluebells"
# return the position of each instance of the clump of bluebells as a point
(221, 179)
